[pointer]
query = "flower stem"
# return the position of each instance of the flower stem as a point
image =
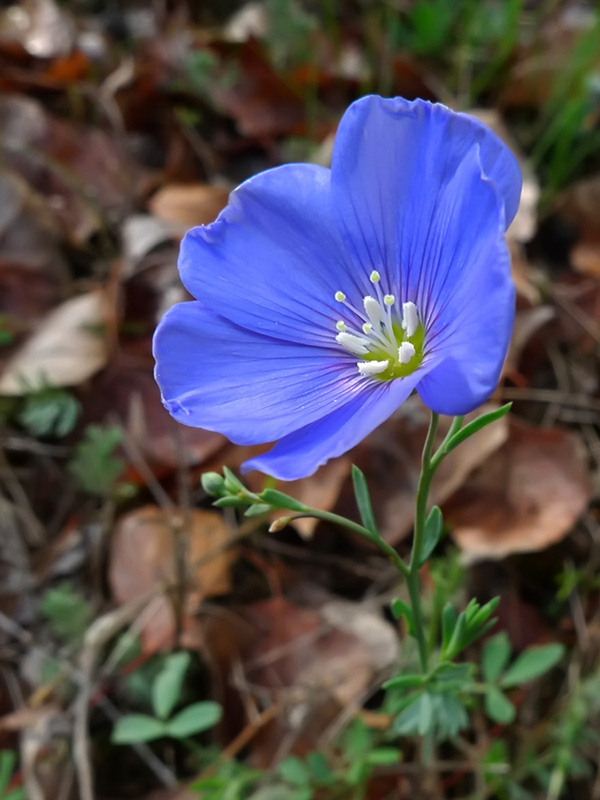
(378, 541)
(412, 579)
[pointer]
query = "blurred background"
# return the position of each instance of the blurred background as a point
(122, 593)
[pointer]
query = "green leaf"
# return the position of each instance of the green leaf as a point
(94, 464)
(401, 609)
(449, 619)
(434, 525)
(319, 769)
(231, 501)
(232, 482)
(405, 682)
(531, 664)
(294, 771)
(166, 689)
(417, 717)
(257, 510)
(137, 728)
(383, 756)
(281, 500)
(498, 707)
(457, 642)
(363, 500)
(476, 425)
(495, 655)
(194, 719)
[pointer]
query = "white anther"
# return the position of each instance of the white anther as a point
(369, 368)
(340, 297)
(374, 277)
(405, 352)
(389, 299)
(353, 344)
(410, 321)
(341, 326)
(374, 311)
(367, 328)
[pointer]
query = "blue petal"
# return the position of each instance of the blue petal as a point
(391, 160)
(251, 387)
(273, 261)
(465, 290)
(303, 452)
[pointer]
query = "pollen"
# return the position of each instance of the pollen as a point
(389, 338)
(374, 277)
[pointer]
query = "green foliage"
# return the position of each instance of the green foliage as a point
(94, 463)
(363, 500)
(50, 411)
(68, 613)
(8, 760)
(165, 693)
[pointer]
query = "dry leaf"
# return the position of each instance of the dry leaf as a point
(143, 558)
(526, 497)
(188, 205)
(69, 346)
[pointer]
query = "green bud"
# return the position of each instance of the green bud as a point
(213, 484)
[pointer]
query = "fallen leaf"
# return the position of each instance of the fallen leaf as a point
(143, 560)
(69, 346)
(187, 205)
(525, 497)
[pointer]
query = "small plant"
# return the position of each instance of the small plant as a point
(94, 464)
(49, 411)
(68, 613)
(165, 693)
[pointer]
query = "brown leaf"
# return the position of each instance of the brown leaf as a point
(526, 496)
(68, 348)
(143, 559)
(188, 205)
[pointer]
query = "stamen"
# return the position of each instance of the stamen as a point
(353, 344)
(367, 328)
(374, 277)
(369, 368)
(341, 325)
(410, 321)
(405, 352)
(374, 311)
(340, 297)
(389, 299)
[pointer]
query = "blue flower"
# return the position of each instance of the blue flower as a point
(325, 297)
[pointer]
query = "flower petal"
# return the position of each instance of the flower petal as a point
(250, 387)
(273, 260)
(305, 450)
(467, 295)
(391, 160)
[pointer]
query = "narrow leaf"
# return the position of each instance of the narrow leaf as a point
(400, 609)
(232, 482)
(457, 642)
(449, 618)
(498, 707)
(476, 425)
(194, 719)
(531, 664)
(434, 525)
(363, 500)
(404, 682)
(494, 656)
(257, 510)
(281, 500)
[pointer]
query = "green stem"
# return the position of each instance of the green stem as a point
(336, 519)
(412, 579)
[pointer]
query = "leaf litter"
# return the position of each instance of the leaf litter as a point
(119, 130)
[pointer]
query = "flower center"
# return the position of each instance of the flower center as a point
(388, 340)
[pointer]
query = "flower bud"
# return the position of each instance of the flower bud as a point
(213, 484)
